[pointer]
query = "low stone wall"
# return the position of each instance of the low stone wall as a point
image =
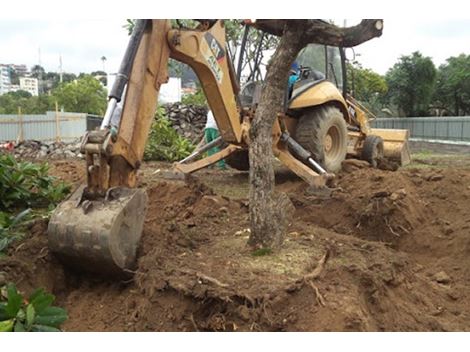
(48, 150)
(187, 120)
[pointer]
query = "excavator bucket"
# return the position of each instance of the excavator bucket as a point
(395, 144)
(100, 235)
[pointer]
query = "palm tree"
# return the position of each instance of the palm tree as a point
(103, 58)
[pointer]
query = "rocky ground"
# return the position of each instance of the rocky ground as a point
(387, 251)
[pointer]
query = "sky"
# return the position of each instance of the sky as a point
(81, 43)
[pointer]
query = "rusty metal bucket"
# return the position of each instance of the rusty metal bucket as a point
(101, 236)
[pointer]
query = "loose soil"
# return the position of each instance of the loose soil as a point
(386, 251)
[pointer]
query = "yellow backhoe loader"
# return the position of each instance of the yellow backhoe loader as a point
(99, 227)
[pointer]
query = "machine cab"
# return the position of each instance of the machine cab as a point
(317, 63)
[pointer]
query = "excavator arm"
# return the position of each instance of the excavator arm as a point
(99, 227)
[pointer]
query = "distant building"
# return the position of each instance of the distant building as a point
(25, 83)
(30, 85)
(5, 81)
(21, 70)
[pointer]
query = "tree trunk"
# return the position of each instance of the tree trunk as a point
(269, 212)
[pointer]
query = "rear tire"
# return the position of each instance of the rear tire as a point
(373, 150)
(323, 132)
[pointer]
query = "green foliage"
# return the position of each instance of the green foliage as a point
(198, 98)
(164, 143)
(34, 314)
(38, 71)
(367, 83)
(24, 185)
(86, 94)
(453, 85)
(411, 83)
(10, 227)
(10, 102)
(366, 86)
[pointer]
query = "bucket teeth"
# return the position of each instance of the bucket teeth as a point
(104, 237)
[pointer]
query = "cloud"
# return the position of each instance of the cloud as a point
(81, 43)
(437, 39)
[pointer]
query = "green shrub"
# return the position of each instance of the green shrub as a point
(197, 98)
(34, 314)
(10, 227)
(164, 143)
(24, 184)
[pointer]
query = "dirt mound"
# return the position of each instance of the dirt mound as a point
(386, 251)
(369, 203)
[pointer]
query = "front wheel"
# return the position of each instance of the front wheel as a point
(323, 132)
(373, 150)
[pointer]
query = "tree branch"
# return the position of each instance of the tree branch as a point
(321, 32)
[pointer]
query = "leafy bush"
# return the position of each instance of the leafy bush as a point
(197, 98)
(34, 314)
(24, 184)
(164, 142)
(10, 227)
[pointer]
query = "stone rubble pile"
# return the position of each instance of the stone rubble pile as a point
(32, 149)
(187, 120)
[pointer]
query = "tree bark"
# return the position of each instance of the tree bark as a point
(269, 211)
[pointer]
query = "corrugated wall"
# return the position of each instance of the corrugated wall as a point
(430, 128)
(64, 126)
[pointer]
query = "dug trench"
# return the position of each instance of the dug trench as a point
(386, 251)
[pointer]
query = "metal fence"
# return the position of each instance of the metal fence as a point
(58, 126)
(430, 128)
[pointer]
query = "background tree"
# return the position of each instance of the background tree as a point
(10, 102)
(103, 60)
(101, 76)
(14, 77)
(453, 86)
(86, 94)
(38, 72)
(270, 211)
(411, 83)
(366, 86)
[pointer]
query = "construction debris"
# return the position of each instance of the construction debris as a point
(188, 120)
(48, 150)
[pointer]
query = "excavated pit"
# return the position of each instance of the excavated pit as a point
(387, 251)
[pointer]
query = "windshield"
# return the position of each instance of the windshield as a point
(324, 59)
(313, 56)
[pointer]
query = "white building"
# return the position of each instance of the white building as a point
(30, 85)
(4, 79)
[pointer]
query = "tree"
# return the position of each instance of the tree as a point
(453, 86)
(14, 77)
(11, 101)
(269, 211)
(38, 72)
(366, 86)
(103, 60)
(411, 83)
(101, 76)
(86, 94)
